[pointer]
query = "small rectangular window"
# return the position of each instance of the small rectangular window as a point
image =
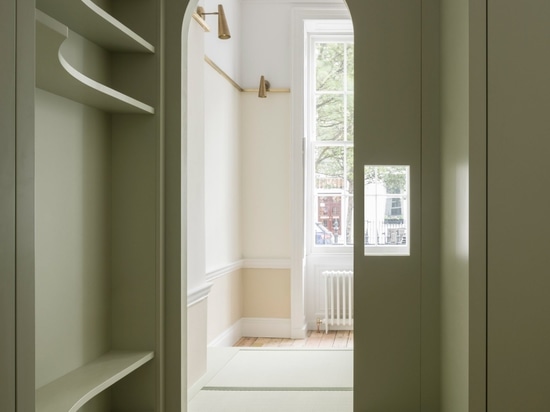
(387, 222)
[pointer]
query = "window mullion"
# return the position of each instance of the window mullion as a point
(334, 194)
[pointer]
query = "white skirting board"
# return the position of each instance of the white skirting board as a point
(253, 327)
(228, 337)
(266, 327)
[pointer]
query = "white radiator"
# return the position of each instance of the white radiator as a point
(338, 297)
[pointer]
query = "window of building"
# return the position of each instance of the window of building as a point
(329, 129)
(387, 228)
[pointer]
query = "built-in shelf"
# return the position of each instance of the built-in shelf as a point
(71, 391)
(92, 22)
(56, 75)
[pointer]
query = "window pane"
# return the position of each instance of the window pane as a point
(349, 118)
(329, 66)
(348, 219)
(329, 167)
(350, 66)
(349, 170)
(386, 210)
(328, 228)
(331, 156)
(330, 117)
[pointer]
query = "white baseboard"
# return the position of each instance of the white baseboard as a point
(299, 333)
(313, 326)
(228, 337)
(254, 327)
(266, 327)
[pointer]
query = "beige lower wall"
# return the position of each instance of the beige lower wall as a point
(246, 293)
(225, 304)
(196, 341)
(266, 293)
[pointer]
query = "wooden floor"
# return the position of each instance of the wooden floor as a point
(333, 339)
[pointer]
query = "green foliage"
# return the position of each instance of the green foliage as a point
(334, 113)
(334, 108)
(334, 88)
(329, 66)
(394, 178)
(330, 117)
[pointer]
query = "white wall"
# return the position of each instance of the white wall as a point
(195, 160)
(222, 140)
(196, 342)
(266, 39)
(266, 43)
(225, 53)
(194, 210)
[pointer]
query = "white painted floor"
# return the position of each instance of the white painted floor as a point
(265, 401)
(260, 380)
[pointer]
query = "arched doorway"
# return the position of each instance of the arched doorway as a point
(265, 257)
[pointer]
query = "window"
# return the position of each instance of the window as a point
(329, 107)
(386, 210)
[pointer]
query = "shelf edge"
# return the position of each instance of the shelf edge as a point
(115, 378)
(49, 398)
(96, 24)
(118, 25)
(63, 79)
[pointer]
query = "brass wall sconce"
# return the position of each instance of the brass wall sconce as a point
(264, 87)
(223, 28)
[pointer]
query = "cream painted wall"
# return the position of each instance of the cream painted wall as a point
(455, 216)
(195, 152)
(222, 145)
(73, 235)
(266, 176)
(195, 207)
(225, 304)
(196, 341)
(266, 293)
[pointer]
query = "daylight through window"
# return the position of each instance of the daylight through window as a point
(387, 210)
(331, 139)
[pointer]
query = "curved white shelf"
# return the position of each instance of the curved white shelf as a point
(56, 75)
(95, 24)
(70, 392)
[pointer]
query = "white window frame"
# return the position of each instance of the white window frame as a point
(338, 31)
(301, 15)
(389, 249)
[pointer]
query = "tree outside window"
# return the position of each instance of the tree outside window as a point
(332, 140)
